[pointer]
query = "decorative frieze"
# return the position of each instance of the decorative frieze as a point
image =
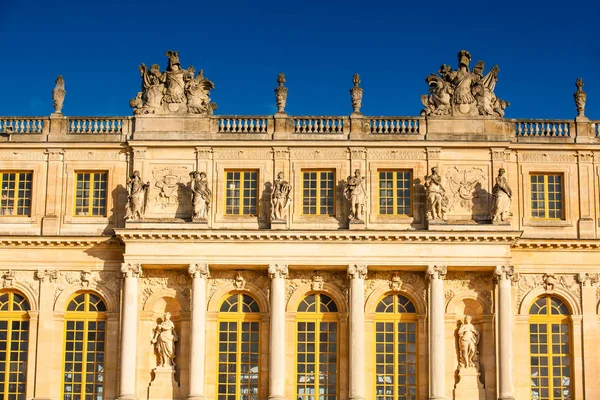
(477, 283)
(239, 279)
(14, 278)
(22, 156)
(155, 280)
(243, 154)
(204, 153)
(358, 153)
(500, 155)
(108, 280)
(391, 154)
(548, 157)
(316, 280)
(319, 154)
(95, 156)
(397, 282)
(549, 281)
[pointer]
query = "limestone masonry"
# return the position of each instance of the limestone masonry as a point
(179, 254)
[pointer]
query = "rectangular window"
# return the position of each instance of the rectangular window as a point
(395, 192)
(318, 192)
(90, 193)
(15, 193)
(241, 192)
(547, 196)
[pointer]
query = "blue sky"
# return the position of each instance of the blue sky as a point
(541, 47)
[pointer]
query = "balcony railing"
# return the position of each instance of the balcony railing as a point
(319, 124)
(97, 125)
(394, 125)
(31, 125)
(242, 124)
(543, 128)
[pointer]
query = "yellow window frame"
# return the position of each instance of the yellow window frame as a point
(10, 316)
(90, 198)
(239, 316)
(395, 191)
(318, 189)
(241, 190)
(548, 319)
(4, 199)
(395, 317)
(317, 317)
(546, 209)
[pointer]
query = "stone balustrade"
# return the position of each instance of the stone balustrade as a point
(394, 125)
(543, 128)
(30, 125)
(596, 128)
(98, 125)
(233, 124)
(320, 124)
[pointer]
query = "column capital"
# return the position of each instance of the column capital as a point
(436, 272)
(131, 270)
(357, 271)
(504, 272)
(586, 279)
(278, 271)
(199, 271)
(46, 275)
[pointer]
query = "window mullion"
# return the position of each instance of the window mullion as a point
(238, 352)
(7, 361)
(318, 194)
(395, 192)
(241, 205)
(546, 197)
(317, 352)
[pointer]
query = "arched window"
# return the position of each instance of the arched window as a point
(14, 341)
(550, 349)
(85, 331)
(238, 348)
(395, 349)
(317, 348)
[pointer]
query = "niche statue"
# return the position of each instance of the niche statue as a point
(436, 204)
(355, 191)
(280, 198)
(201, 195)
(164, 341)
(468, 339)
(136, 197)
(502, 195)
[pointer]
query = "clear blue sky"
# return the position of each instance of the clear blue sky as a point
(541, 47)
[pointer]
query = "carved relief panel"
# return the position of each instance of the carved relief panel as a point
(169, 194)
(467, 189)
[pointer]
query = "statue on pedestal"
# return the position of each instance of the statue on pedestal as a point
(437, 202)
(280, 198)
(281, 93)
(468, 339)
(502, 196)
(164, 341)
(201, 196)
(355, 191)
(580, 96)
(356, 95)
(136, 197)
(58, 94)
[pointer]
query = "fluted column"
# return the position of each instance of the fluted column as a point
(199, 273)
(503, 275)
(437, 344)
(357, 275)
(129, 320)
(278, 274)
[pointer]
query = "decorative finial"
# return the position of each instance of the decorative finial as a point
(356, 94)
(281, 94)
(58, 94)
(580, 97)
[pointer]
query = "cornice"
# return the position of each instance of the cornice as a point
(557, 244)
(54, 241)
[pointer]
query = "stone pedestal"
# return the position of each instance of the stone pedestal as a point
(278, 224)
(357, 225)
(200, 224)
(469, 387)
(163, 386)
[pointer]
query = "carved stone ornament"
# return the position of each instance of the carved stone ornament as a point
(587, 279)
(504, 272)
(169, 192)
(467, 195)
(355, 191)
(164, 339)
(317, 282)
(279, 271)
(201, 196)
(395, 282)
(502, 198)
(108, 280)
(8, 279)
(174, 91)
(199, 271)
(281, 93)
(436, 271)
(463, 92)
(137, 197)
(549, 283)
(46, 275)
(580, 97)
(468, 340)
(357, 271)
(239, 282)
(58, 94)
(280, 198)
(436, 203)
(131, 270)
(356, 95)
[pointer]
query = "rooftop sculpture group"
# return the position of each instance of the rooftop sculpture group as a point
(174, 91)
(463, 92)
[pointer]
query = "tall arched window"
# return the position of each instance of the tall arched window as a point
(85, 332)
(14, 341)
(239, 348)
(317, 348)
(550, 349)
(395, 349)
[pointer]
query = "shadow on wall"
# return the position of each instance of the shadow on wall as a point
(116, 217)
(264, 208)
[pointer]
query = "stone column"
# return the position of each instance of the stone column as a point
(503, 275)
(199, 273)
(129, 321)
(437, 344)
(278, 274)
(357, 275)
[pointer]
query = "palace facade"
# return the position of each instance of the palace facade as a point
(300, 258)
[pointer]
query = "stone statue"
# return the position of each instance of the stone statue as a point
(356, 94)
(136, 197)
(281, 93)
(436, 204)
(58, 94)
(502, 195)
(164, 341)
(355, 191)
(463, 92)
(280, 198)
(468, 339)
(580, 97)
(201, 196)
(174, 91)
